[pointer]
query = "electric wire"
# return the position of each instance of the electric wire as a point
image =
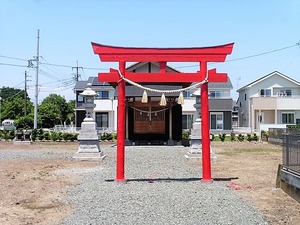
(247, 57)
(94, 68)
(9, 64)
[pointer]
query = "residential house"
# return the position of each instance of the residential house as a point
(150, 120)
(271, 101)
(106, 105)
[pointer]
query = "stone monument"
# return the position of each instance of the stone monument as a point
(89, 148)
(195, 150)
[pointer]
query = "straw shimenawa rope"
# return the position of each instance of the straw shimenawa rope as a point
(163, 91)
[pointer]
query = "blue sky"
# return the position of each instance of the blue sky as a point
(68, 27)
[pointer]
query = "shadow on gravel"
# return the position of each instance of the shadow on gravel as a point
(152, 180)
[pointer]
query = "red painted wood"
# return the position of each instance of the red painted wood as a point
(120, 167)
(161, 57)
(206, 166)
(162, 67)
(128, 54)
(114, 76)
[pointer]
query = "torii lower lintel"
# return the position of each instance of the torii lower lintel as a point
(114, 76)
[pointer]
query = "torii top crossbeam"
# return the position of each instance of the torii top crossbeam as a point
(163, 55)
(203, 55)
(129, 54)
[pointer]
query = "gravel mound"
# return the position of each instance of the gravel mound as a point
(162, 188)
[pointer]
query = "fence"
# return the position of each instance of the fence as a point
(291, 151)
(276, 135)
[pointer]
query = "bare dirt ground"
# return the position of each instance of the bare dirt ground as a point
(32, 191)
(255, 165)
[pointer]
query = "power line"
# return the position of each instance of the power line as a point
(53, 69)
(8, 57)
(248, 57)
(9, 64)
(94, 68)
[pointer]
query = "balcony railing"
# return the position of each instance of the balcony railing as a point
(277, 102)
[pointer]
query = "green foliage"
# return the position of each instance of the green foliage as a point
(294, 127)
(54, 136)
(241, 137)
(40, 134)
(255, 137)
(24, 122)
(55, 110)
(7, 134)
(13, 103)
(249, 138)
(69, 136)
(107, 136)
(232, 136)
(47, 136)
(264, 135)
(222, 137)
(74, 137)
(34, 134)
(185, 134)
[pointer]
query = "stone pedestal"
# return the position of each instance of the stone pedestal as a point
(195, 151)
(89, 148)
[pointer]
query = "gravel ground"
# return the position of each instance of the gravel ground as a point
(162, 188)
(40, 154)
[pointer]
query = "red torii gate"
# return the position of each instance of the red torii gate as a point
(203, 55)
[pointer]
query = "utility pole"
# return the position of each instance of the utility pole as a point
(31, 65)
(77, 75)
(25, 93)
(37, 81)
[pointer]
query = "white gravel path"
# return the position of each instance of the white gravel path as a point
(162, 188)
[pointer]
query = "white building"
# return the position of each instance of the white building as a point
(271, 101)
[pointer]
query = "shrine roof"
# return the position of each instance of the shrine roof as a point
(81, 85)
(221, 85)
(140, 64)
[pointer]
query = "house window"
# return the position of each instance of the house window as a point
(216, 121)
(288, 118)
(102, 119)
(102, 95)
(80, 98)
(245, 97)
(284, 93)
(187, 94)
(187, 121)
(215, 94)
(265, 92)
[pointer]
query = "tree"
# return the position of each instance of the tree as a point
(24, 122)
(71, 114)
(54, 110)
(12, 103)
